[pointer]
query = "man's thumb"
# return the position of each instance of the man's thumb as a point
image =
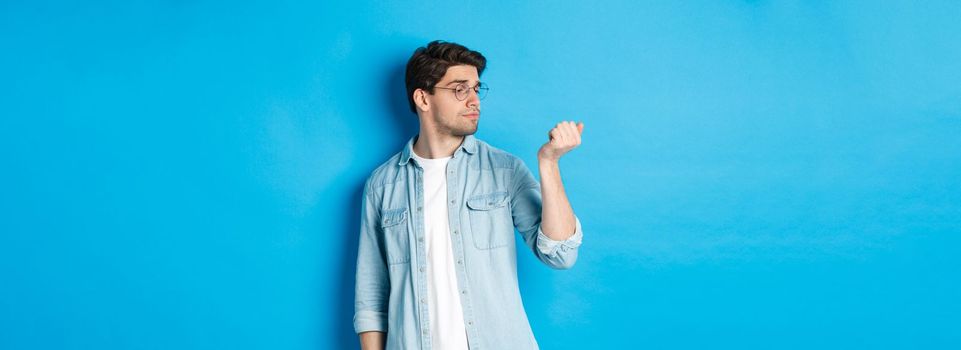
(580, 127)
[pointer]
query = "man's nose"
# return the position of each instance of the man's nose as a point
(472, 99)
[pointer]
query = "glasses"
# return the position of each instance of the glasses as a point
(462, 90)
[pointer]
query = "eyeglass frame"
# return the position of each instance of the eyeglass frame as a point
(477, 89)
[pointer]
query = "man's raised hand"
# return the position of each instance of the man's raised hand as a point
(564, 137)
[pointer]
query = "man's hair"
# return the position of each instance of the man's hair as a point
(429, 63)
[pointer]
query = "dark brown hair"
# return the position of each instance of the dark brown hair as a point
(429, 63)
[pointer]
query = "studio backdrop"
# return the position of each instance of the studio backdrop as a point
(753, 174)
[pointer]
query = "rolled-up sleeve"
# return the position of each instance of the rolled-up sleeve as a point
(372, 285)
(526, 207)
(551, 247)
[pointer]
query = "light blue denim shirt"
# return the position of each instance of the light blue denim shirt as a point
(491, 192)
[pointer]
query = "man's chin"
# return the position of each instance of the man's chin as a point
(465, 132)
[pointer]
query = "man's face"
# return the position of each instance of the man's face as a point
(449, 115)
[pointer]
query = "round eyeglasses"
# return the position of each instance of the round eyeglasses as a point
(462, 90)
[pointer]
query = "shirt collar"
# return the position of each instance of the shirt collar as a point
(469, 145)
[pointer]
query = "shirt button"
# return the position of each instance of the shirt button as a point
(463, 292)
(460, 262)
(419, 208)
(421, 269)
(470, 323)
(451, 201)
(420, 240)
(422, 301)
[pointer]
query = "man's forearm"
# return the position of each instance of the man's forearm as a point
(372, 340)
(557, 216)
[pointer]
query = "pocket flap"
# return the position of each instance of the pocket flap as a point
(393, 217)
(488, 201)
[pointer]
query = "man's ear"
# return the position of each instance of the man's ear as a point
(420, 100)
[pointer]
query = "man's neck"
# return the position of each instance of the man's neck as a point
(433, 146)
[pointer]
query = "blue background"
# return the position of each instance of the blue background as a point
(754, 174)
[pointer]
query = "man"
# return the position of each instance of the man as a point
(436, 263)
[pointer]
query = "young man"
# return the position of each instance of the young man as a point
(436, 263)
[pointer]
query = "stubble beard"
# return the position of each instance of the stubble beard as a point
(469, 129)
(462, 127)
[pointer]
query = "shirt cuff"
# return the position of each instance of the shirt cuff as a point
(550, 247)
(365, 321)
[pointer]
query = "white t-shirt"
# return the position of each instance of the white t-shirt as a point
(446, 315)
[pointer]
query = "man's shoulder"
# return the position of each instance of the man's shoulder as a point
(385, 173)
(496, 157)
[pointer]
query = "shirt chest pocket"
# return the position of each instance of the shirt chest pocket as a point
(490, 220)
(394, 225)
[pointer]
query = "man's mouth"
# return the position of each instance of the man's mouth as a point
(473, 116)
